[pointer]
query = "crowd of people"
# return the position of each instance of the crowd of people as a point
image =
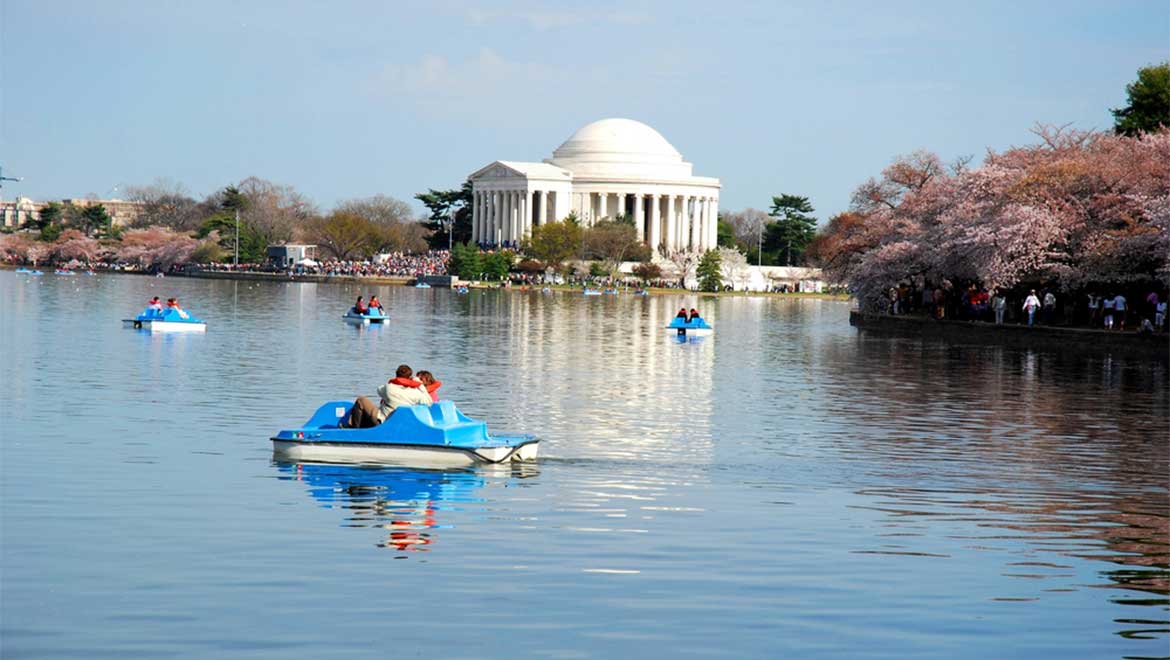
(1105, 310)
(393, 264)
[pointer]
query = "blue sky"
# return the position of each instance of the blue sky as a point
(350, 99)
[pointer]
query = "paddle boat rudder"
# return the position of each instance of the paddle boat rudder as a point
(166, 320)
(437, 435)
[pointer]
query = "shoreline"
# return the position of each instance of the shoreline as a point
(1131, 342)
(403, 280)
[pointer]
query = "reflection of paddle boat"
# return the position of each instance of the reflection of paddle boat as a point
(437, 435)
(405, 502)
(374, 315)
(62, 271)
(167, 320)
(592, 292)
(697, 327)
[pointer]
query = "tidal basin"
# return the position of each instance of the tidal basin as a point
(788, 487)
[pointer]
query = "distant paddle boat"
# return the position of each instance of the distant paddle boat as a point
(421, 285)
(374, 315)
(167, 320)
(610, 292)
(592, 292)
(696, 327)
(36, 272)
(461, 290)
(23, 270)
(437, 435)
(62, 271)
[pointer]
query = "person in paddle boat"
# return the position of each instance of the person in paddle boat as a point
(682, 314)
(173, 303)
(377, 304)
(432, 384)
(694, 315)
(155, 304)
(402, 390)
(359, 307)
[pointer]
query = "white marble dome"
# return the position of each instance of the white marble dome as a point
(620, 148)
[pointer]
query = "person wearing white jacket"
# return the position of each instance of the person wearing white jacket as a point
(401, 390)
(1031, 304)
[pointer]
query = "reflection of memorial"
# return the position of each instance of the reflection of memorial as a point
(407, 503)
(607, 359)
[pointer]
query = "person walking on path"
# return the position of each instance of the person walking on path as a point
(1031, 304)
(1119, 306)
(999, 304)
(1109, 305)
(1049, 307)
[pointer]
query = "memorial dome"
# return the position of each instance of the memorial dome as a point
(621, 147)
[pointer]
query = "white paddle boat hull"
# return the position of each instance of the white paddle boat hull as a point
(408, 455)
(164, 326)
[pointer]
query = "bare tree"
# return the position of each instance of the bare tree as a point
(275, 211)
(379, 209)
(165, 202)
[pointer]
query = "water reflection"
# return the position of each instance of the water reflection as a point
(408, 504)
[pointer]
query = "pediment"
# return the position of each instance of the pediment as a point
(496, 170)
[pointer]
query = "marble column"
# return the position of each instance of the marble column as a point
(640, 216)
(655, 228)
(621, 204)
(714, 213)
(696, 228)
(671, 227)
(602, 206)
(525, 213)
(497, 216)
(543, 214)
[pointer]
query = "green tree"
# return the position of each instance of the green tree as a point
(725, 234)
(94, 219)
(793, 227)
(554, 242)
(466, 261)
(441, 203)
(50, 232)
(1148, 109)
(496, 265)
(710, 271)
(253, 245)
(51, 214)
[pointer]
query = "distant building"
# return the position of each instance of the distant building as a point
(607, 169)
(23, 210)
(291, 254)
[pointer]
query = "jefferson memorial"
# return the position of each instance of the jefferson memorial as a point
(607, 169)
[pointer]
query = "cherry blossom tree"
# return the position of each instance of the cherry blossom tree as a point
(156, 245)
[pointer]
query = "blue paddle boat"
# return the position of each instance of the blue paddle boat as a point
(373, 315)
(696, 327)
(437, 435)
(421, 285)
(592, 292)
(166, 320)
(23, 270)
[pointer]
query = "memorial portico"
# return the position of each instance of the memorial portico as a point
(609, 169)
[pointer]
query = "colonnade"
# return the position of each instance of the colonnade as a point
(667, 222)
(508, 216)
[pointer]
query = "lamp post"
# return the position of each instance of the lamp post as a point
(237, 258)
(451, 228)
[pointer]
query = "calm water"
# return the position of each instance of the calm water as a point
(787, 487)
